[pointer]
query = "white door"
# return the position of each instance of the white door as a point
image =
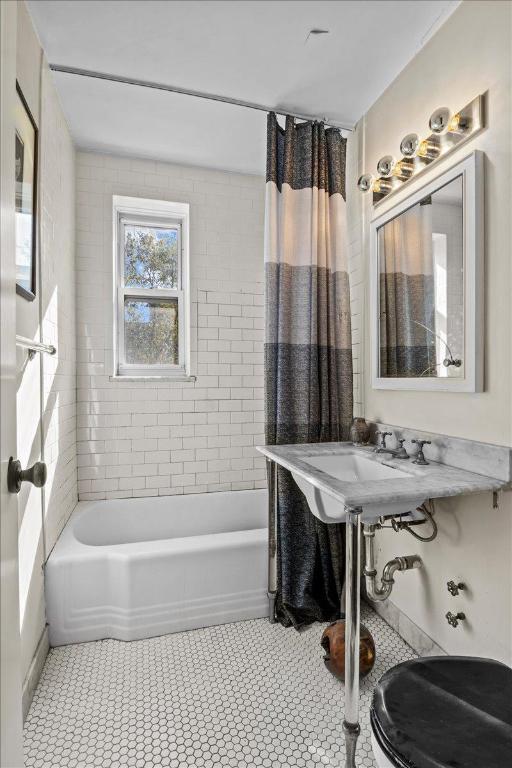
(11, 753)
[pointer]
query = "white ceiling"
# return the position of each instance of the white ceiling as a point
(250, 50)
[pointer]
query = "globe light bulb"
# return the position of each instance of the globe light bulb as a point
(385, 165)
(439, 120)
(409, 145)
(365, 182)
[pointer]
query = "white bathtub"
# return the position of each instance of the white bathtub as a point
(135, 568)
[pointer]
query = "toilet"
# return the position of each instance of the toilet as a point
(443, 712)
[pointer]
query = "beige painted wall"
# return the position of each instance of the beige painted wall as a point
(469, 55)
(46, 395)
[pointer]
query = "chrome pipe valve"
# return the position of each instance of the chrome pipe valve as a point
(454, 618)
(454, 588)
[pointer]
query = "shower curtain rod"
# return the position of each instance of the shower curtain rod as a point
(187, 92)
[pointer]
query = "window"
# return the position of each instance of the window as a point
(151, 267)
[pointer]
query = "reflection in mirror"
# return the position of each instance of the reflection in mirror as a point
(421, 273)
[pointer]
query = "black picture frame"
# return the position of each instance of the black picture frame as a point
(28, 292)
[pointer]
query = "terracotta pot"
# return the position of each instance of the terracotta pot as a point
(333, 643)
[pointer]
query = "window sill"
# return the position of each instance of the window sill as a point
(167, 377)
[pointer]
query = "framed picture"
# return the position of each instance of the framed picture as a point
(25, 198)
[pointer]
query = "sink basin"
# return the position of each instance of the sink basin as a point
(338, 476)
(351, 469)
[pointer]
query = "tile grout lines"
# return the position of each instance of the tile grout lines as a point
(241, 695)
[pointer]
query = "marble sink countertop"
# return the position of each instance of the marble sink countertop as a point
(432, 481)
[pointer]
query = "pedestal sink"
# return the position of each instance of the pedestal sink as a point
(353, 468)
(344, 484)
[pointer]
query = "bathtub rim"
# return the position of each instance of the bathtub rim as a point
(68, 546)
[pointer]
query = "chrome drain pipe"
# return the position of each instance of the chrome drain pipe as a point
(405, 563)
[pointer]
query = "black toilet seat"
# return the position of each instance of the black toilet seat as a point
(445, 712)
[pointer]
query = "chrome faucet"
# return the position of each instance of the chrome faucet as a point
(383, 436)
(397, 453)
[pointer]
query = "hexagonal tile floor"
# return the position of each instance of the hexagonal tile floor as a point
(245, 694)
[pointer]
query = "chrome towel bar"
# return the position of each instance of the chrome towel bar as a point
(35, 346)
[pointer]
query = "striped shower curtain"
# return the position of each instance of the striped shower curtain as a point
(407, 295)
(308, 354)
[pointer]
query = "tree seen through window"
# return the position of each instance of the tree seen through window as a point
(151, 324)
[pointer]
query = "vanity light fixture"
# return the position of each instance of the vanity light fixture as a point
(439, 120)
(429, 149)
(382, 186)
(448, 132)
(459, 123)
(404, 169)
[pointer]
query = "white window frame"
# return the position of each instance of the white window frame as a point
(151, 213)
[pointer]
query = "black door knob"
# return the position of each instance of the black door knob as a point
(16, 475)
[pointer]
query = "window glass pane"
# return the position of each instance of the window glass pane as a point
(151, 331)
(150, 257)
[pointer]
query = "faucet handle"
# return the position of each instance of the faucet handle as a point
(420, 458)
(401, 442)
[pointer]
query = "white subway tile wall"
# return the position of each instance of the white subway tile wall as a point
(148, 438)
(57, 258)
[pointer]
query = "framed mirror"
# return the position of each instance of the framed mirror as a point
(427, 285)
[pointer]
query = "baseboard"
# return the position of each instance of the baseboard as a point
(413, 635)
(34, 672)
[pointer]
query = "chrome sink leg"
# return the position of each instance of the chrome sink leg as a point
(351, 736)
(351, 726)
(272, 539)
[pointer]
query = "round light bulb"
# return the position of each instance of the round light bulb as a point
(409, 144)
(439, 120)
(365, 182)
(385, 166)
